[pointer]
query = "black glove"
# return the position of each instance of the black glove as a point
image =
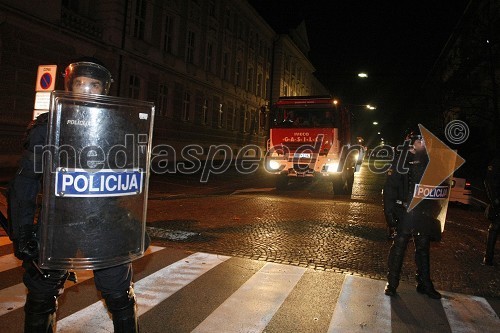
(26, 246)
(391, 219)
(391, 233)
(392, 223)
(491, 213)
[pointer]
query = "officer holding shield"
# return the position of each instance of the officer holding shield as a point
(419, 223)
(85, 76)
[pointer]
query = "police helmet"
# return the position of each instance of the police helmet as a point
(413, 134)
(87, 76)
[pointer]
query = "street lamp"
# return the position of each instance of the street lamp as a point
(363, 75)
(375, 123)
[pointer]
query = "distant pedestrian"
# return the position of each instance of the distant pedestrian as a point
(492, 185)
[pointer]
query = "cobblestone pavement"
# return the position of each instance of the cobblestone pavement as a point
(306, 226)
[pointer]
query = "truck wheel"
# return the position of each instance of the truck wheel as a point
(338, 186)
(349, 181)
(344, 183)
(281, 182)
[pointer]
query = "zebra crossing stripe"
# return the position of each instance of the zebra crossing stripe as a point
(9, 261)
(468, 314)
(252, 306)
(150, 291)
(14, 297)
(361, 307)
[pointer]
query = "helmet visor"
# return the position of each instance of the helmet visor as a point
(87, 78)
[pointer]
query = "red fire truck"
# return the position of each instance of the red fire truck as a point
(310, 139)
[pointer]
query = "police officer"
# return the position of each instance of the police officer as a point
(492, 185)
(405, 173)
(85, 76)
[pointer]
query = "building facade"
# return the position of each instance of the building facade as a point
(212, 67)
(464, 83)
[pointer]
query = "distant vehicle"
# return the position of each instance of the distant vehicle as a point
(310, 139)
(460, 191)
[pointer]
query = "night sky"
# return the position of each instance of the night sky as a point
(395, 42)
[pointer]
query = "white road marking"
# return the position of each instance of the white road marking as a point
(253, 305)
(150, 291)
(361, 307)
(469, 314)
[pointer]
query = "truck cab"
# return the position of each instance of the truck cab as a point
(309, 138)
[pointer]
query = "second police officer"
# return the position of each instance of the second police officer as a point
(418, 224)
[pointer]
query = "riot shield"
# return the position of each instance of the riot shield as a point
(96, 173)
(431, 195)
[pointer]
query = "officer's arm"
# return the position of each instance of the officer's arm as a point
(391, 195)
(23, 192)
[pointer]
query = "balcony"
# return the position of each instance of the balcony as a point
(80, 24)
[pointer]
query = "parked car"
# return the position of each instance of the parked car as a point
(460, 191)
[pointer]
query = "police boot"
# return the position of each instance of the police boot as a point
(123, 310)
(490, 244)
(423, 276)
(395, 263)
(40, 314)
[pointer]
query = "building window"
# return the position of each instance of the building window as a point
(134, 87)
(209, 58)
(204, 112)
(227, 19)
(231, 118)
(237, 74)
(162, 99)
(220, 120)
(211, 8)
(190, 47)
(168, 30)
(225, 66)
(244, 119)
(266, 89)
(71, 5)
(250, 79)
(139, 19)
(249, 121)
(259, 84)
(185, 106)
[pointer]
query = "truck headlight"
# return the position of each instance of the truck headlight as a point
(332, 167)
(274, 165)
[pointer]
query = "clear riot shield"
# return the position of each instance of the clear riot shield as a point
(95, 181)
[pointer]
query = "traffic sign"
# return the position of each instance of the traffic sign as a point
(46, 77)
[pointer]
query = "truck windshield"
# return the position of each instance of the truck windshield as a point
(300, 117)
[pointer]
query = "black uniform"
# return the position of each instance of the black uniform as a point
(114, 283)
(492, 185)
(419, 223)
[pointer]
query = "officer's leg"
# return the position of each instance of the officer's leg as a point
(422, 259)
(41, 301)
(395, 262)
(490, 242)
(115, 285)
